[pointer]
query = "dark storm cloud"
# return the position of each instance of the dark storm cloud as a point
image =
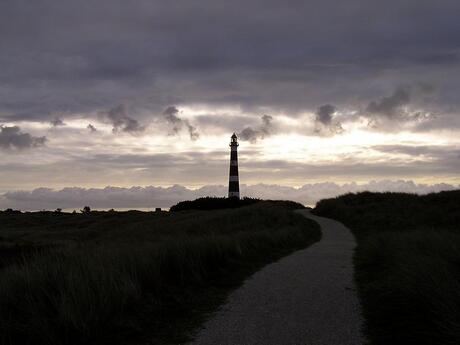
(121, 122)
(64, 56)
(264, 130)
(408, 105)
(171, 115)
(325, 122)
(324, 114)
(12, 138)
(390, 106)
(249, 134)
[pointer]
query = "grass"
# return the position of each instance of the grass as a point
(132, 277)
(407, 263)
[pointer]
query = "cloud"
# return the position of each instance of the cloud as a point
(249, 134)
(11, 138)
(171, 116)
(261, 132)
(117, 166)
(121, 122)
(108, 197)
(150, 197)
(56, 122)
(324, 114)
(325, 122)
(444, 122)
(400, 110)
(75, 72)
(311, 193)
(435, 151)
(266, 124)
(149, 55)
(401, 99)
(91, 128)
(390, 106)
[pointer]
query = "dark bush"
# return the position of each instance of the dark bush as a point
(215, 203)
(11, 211)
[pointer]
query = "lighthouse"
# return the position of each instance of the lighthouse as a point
(234, 182)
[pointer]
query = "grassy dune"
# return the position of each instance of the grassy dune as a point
(109, 277)
(407, 263)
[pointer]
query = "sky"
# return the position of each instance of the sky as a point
(140, 98)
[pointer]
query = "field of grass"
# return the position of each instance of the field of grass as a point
(407, 263)
(132, 277)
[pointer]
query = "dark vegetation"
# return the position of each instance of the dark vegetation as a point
(213, 203)
(132, 277)
(407, 263)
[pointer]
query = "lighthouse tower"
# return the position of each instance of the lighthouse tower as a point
(234, 182)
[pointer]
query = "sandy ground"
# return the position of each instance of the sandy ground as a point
(308, 297)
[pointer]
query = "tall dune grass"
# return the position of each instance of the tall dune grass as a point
(89, 292)
(407, 263)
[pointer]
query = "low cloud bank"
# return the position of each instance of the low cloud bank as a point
(149, 197)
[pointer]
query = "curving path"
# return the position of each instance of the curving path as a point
(305, 298)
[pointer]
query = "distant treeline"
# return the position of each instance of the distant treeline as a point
(215, 203)
(203, 204)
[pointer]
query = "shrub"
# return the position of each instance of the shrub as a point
(213, 203)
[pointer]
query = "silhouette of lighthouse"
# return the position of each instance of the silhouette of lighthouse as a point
(234, 182)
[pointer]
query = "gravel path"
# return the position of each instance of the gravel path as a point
(305, 298)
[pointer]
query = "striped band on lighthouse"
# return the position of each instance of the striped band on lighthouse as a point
(233, 181)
